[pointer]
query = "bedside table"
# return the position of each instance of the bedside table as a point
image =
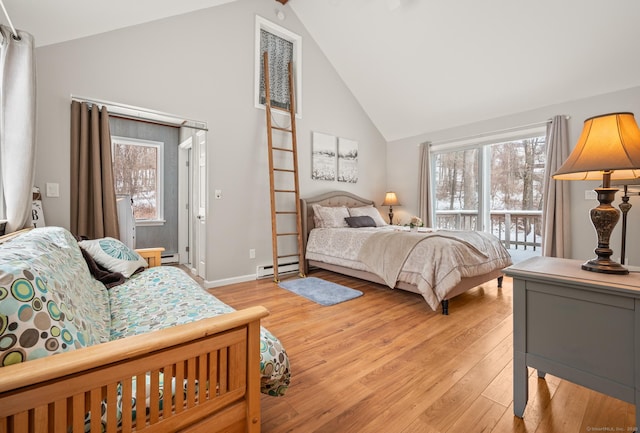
(577, 325)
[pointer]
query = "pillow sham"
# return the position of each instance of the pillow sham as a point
(34, 321)
(360, 221)
(369, 211)
(329, 216)
(114, 256)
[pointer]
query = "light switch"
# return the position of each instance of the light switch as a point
(53, 189)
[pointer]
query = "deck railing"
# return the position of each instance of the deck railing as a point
(514, 228)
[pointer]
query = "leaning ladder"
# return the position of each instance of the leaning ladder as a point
(281, 207)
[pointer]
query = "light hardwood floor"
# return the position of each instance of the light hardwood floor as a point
(386, 363)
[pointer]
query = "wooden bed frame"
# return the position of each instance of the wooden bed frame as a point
(54, 393)
(343, 198)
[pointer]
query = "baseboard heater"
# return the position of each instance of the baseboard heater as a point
(170, 258)
(264, 271)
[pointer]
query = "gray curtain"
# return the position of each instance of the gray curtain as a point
(424, 200)
(555, 205)
(17, 125)
(93, 199)
(280, 55)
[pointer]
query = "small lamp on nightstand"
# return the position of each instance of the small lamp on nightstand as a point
(390, 199)
(629, 188)
(608, 149)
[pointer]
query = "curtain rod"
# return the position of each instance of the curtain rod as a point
(490, 133)
(143, 114)
(6, 14)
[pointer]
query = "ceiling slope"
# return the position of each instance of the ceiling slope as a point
(56, 21)
(425, 65)
(420, 65)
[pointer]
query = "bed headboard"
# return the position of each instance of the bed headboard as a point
(332, 198)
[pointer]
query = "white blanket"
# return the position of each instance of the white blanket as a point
(384, 253)
(435, 265)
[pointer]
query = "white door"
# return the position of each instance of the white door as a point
(200, 192)
(185, 186)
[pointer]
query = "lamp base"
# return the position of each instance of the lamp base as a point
(605, 267)
(604, 218)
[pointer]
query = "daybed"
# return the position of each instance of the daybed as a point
(436, 264)
(157, 352)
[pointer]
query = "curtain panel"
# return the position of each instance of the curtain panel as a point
(93, 199)
(424, 199)
(280, 55)
(17, 126)
(556, 196)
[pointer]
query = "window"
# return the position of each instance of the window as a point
(137, 169)
(457, 185)
(283, 47)
(495, 185)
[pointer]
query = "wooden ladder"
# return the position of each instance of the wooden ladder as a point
(281, 208)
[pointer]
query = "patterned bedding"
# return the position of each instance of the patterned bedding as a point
(182, 301)
(435, 265)
(50, 303)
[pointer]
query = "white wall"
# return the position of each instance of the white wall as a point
(201, 66)
(403, 162)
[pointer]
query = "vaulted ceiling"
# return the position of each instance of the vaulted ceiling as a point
(421, 65)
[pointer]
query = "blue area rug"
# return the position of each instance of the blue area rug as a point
(320, 291)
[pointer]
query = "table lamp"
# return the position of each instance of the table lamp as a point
(629, 188)
(608, 148)
(390, 199)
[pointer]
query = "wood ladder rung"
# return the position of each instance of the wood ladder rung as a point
(287, 234)
(277, 108)
(282, 149)
(284, 190)
(281, 129)
(287, 255)
(286, 212)
(288, 170)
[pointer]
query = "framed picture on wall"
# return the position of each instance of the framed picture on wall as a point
(347, 160)
(323, 157)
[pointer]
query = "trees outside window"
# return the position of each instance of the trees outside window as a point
(137, 169)
(457, 182)
(495, 187)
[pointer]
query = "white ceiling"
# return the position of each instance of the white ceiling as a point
(421, 65)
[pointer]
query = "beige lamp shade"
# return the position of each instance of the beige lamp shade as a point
(608, 143)
(391, 199)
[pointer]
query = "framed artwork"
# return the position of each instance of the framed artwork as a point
(323, 157)
(347, 160)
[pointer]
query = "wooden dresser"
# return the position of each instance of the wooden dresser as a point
(577, 325)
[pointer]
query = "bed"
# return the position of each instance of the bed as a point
(479, 257)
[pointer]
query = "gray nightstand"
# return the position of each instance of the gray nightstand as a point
(577, 325)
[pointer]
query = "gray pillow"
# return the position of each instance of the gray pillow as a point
(360, 221)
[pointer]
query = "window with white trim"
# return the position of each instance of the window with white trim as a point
(138, 172)
(494, 184)
(283, 47)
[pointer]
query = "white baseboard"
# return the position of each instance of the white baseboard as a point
(226, 281)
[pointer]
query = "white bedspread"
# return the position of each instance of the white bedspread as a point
(435, 265)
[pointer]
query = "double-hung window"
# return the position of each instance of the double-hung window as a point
(138, 172)
(491, 184)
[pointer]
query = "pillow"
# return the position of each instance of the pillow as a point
(32, 323)
(369, 211)
(114, 256)
(360, 221)
(330, 216)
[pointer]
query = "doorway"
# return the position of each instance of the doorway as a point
(181, 227)
(193, 200)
